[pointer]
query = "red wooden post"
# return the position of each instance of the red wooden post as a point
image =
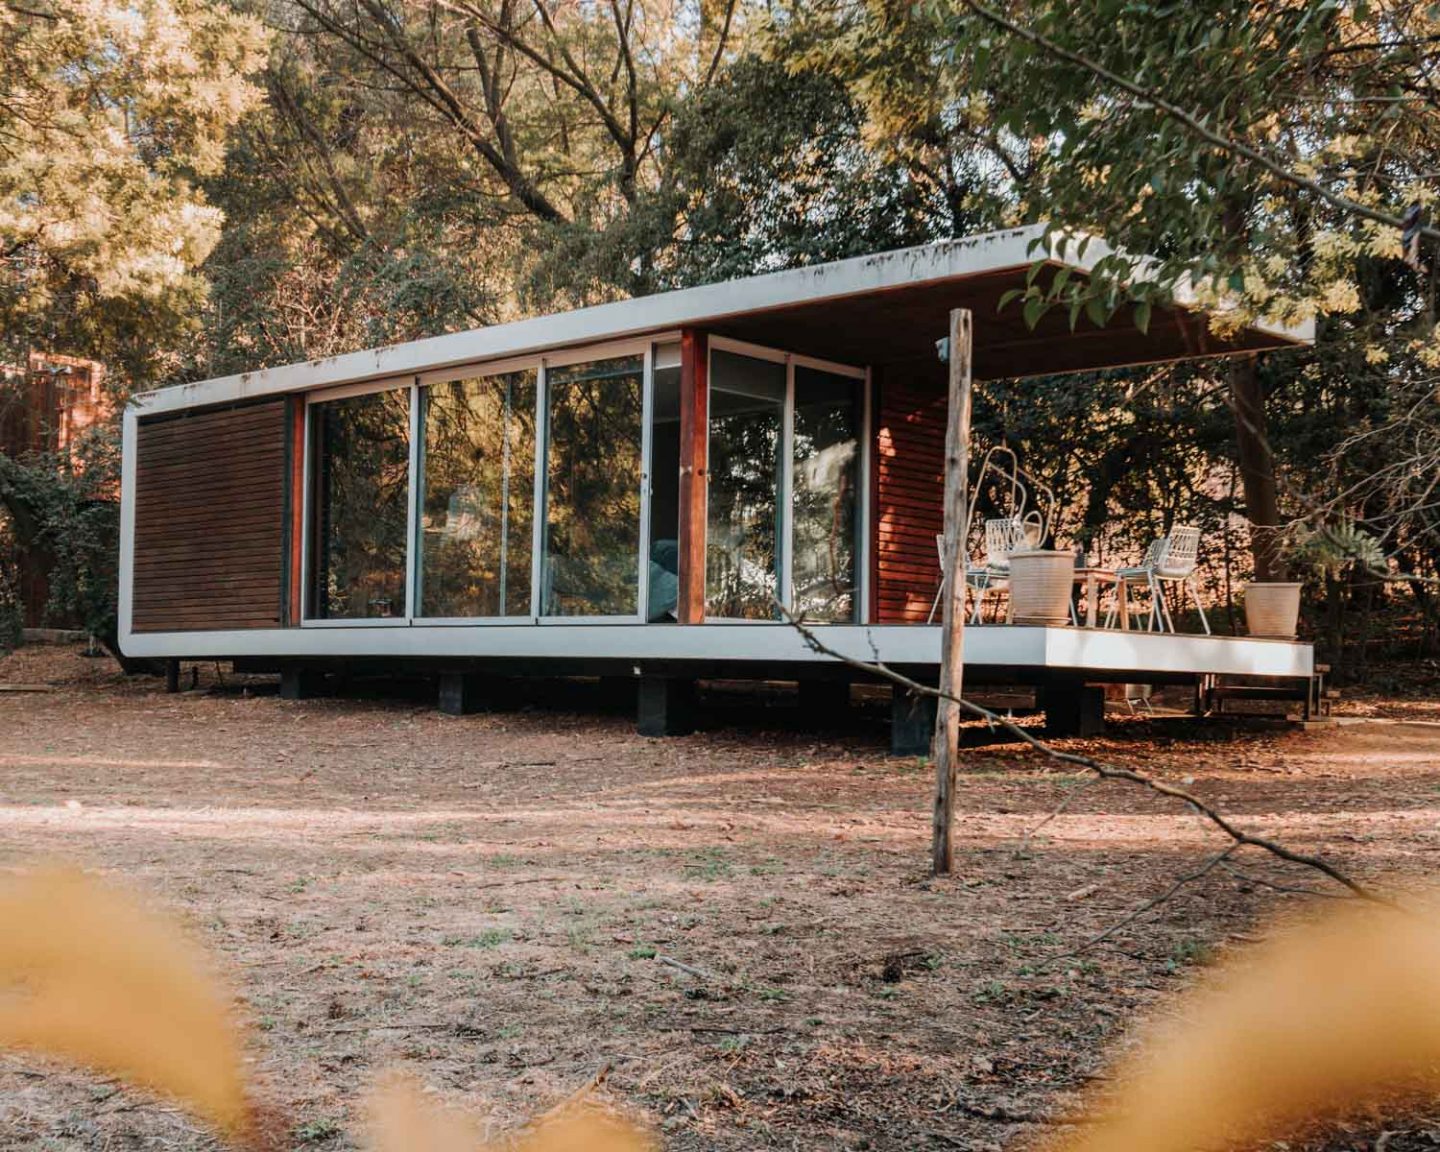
(694, 476)
(952, 642)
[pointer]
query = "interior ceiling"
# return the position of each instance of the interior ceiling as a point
(901, 325)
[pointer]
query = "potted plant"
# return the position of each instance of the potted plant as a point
(1272, 607)
(1041, 581)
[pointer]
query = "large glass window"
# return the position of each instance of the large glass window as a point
(664, 590)
(478, 496)
(594, 416)
(360, 453)
(826, 468)
(743, 535)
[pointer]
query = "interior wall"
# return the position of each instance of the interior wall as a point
(909, 453)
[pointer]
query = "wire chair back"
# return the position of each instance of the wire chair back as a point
(1180, 552)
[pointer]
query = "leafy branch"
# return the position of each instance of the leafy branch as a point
(1192, 122)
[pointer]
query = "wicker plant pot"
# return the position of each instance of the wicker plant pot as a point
(1272, 610)
(1040, 586)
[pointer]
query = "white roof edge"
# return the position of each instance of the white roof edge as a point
(665, 311)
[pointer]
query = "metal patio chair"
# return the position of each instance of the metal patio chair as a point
(1170, 559)
(1003, 535)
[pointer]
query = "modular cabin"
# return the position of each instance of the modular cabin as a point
(627, 490)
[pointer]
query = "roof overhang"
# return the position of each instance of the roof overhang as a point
(887, 309)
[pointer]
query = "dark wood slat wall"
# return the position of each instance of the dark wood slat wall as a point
(210, 520)
(909, 497)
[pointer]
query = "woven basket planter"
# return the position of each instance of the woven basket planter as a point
(1040, 587)
(1272, 610)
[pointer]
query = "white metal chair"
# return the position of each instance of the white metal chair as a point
(1003, 535)
(1169, 559)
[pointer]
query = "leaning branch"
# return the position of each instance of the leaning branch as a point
(1240, 838)
(1194, 124)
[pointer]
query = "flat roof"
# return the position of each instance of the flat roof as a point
(885, 309)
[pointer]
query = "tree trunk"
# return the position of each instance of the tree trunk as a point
(1257, 468)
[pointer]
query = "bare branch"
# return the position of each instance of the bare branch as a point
(1105, 771)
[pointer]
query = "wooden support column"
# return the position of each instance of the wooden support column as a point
(952, 637)
(694, 473)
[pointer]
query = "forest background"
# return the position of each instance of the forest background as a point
(190, 188)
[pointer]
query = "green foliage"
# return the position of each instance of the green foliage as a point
(63, 511)
(111, 112)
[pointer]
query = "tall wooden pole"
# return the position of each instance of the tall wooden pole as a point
(952, 636)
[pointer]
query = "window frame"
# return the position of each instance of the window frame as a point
(785, 575)
(568, 358)
(645, 348)
(447, 376)
(307, 509)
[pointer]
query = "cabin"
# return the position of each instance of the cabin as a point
(627, 490)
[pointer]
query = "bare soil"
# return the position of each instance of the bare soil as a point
(491, 901)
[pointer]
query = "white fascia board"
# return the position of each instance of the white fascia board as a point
(1016, 248)
(1103, 651)
(125, 600)
(1118, 650)
(663, 311)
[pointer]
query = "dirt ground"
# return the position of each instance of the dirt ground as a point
(490, 901)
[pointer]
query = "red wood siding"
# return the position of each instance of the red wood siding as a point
(909, 504)
(210, 520)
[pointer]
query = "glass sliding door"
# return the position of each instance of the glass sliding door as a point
(360, 505)
(824, 504)
(477, 496)
(744, 521)
(664, 584)
(594, 445)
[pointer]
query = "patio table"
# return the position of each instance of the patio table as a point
(1093, 578)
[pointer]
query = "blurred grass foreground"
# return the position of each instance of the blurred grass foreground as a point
(1333, 1014)
(94, 977)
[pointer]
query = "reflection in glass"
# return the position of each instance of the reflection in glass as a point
(592, 514)
(360, 448)
(478, 495)
(826, 467)
(664, 589)
(742, 547)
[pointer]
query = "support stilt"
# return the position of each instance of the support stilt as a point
(912, 723)
(1072, 708)
(666, 706)
(300, 684)
(462, 693)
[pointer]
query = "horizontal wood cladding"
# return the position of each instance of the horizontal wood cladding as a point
(909, 498)
(210, 521)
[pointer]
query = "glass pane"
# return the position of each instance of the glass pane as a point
(826, 468)
(665, 485)
(476, 505)
(742, 548)
(592, 525)
(360, 452)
